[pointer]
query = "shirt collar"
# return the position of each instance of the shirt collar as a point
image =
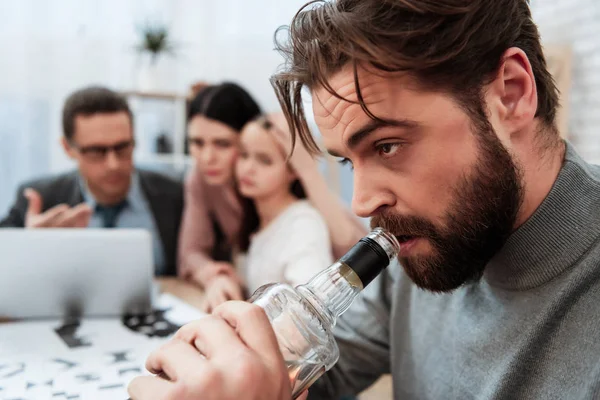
(134, 196)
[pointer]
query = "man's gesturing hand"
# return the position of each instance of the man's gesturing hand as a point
(60, 216)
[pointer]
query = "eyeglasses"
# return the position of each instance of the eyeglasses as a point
(122, 150)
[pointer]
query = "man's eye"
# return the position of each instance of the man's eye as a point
(388, 149)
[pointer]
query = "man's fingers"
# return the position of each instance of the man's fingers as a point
(61, 216)
(149, 387)
(83, 221)
(252, 325)
(35, 202)
(211, 336)
(47, 219)
(74, 217)
(174, 359)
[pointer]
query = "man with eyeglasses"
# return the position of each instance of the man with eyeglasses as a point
(106, 190)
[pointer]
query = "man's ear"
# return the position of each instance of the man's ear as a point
(67, 147)
(512, 96)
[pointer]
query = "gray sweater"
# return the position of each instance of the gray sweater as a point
(530, 329)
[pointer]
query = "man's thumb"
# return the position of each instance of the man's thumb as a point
(35, 202)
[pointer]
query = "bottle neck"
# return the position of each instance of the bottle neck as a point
(332, 291)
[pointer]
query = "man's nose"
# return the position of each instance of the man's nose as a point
(371, 194)
(112, 160)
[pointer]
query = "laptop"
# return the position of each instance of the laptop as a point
(73, 273)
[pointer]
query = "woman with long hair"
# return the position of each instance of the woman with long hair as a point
(212, 209)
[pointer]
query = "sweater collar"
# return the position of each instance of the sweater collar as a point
(559, 232)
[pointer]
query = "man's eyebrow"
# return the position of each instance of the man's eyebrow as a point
(372, 126)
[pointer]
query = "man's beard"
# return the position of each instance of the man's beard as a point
(478, 222)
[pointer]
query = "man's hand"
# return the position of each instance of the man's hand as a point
(230, 355)
(60, 216)
(222, 288)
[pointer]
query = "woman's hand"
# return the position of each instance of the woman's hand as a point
(204, 274)
(220, 289)
(300, 160)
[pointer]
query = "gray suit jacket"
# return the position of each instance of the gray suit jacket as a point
(164, 195)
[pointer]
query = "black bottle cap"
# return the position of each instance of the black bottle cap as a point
(367, 259)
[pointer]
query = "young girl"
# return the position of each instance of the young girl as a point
(284, 237)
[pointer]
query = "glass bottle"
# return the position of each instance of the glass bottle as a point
(303, 317)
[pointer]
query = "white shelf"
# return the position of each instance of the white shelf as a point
(177, 160)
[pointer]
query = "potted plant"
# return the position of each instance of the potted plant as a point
(155, 41)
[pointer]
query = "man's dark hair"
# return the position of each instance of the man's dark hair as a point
(227, 103)
(447, 45)
(89, 101)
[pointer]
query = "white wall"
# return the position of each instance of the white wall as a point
(233, 39)
(577, 23)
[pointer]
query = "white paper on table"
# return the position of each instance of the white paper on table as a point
(33, 355)
(180, 312)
